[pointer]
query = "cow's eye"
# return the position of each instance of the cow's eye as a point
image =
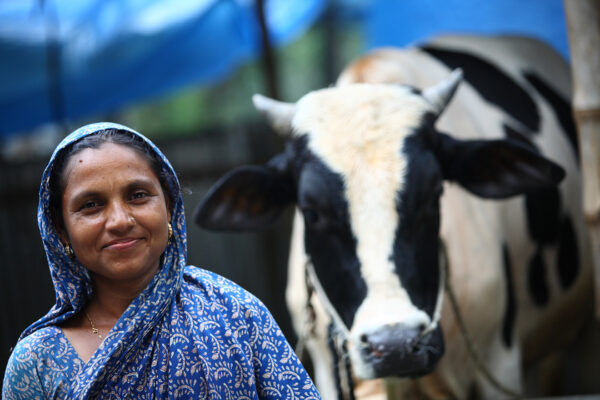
(311, 216)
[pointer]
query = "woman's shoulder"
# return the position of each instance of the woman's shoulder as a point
(32, 364)
(207, 287)
(38, 343)
(243, 325)
(42, 349)
(214, 285)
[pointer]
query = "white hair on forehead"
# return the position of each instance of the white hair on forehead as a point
(370, 111)
(358, 131)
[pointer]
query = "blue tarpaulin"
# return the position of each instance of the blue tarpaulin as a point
(398, 23)
(115, 52)
(67, 59)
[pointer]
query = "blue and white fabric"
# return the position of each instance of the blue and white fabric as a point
(190, 334)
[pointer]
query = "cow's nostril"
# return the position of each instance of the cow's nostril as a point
(412, 345)
(364, 339)
(375, 349)
(364, 342)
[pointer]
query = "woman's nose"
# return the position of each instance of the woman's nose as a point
(119, 217)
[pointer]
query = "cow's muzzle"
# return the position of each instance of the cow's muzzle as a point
(398, 350)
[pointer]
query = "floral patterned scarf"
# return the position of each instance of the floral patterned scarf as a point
(189, 334)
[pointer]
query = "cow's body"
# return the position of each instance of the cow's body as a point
(474, 229)
(519, 266)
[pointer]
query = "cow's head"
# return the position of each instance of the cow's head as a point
(365, 165)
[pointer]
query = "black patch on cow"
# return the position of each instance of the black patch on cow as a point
(543, 208)
(561, 108)
(328, 236)
(537, 279)
(349, 376)
(510, 312)
(517, 136)
(568, 255)
(416, 241)
(492, 84)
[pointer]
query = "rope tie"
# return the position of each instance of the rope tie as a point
(338, 333)
(308, 328)
(348, 368)
(437, 314)
(339, 327)
(467, 338)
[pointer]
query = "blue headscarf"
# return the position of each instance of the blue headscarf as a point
(72, 282)
(189, 333)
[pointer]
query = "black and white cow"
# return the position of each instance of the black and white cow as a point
(383, 167)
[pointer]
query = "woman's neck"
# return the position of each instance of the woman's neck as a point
(108, 304)
(111, 299)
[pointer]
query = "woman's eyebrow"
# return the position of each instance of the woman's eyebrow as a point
(85, 194)
(140, 182)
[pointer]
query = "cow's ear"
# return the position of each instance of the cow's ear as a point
(495, 169)
(247, 198)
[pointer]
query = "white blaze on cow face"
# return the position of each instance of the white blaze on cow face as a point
(358, 131)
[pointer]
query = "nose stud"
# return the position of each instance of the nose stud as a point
(132, 219)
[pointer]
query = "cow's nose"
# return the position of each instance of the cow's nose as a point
(400, 350)
(391, 339)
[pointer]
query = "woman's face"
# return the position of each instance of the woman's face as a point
(115, 213)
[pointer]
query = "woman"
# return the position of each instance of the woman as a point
(131, 320)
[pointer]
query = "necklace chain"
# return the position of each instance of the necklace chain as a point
(95, 330)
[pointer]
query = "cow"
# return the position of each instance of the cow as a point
(399, 172)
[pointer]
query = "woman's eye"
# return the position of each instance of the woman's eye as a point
(89, 204)
(139, 195)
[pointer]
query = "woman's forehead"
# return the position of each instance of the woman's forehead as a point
(109, 159)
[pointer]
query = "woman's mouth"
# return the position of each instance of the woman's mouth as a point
(122, 244)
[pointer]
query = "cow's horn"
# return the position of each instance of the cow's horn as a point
(439, 95)
(278, 113)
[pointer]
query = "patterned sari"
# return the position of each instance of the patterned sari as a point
(190, 334)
